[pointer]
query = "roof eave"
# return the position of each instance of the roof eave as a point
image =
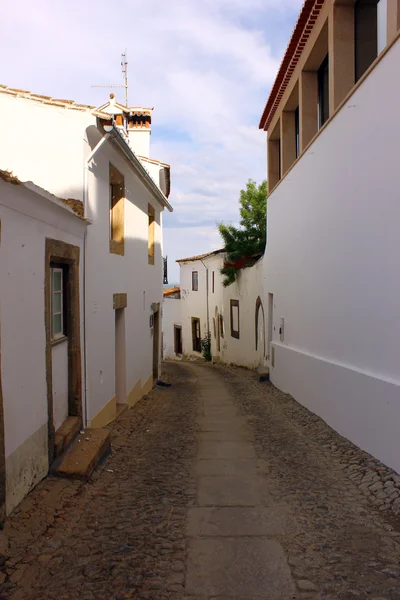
(139, 168)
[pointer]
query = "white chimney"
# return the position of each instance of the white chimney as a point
(139, 130)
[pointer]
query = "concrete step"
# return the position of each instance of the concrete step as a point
(65, 434)
(85, 453)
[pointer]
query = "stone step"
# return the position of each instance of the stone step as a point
(66, 433)
(84, 454)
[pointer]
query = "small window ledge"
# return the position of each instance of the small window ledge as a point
(59, 340)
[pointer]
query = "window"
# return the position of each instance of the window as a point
(213, 281)
(297, 130)
(196, 337)
(323, 92)
(150, 239)
(117, 211)
(57, 303)
(214, 327)
(370, 22)
(195, 281)
(381, 25)
(177, 339)
(235, 319)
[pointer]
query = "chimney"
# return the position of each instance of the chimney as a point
(139, 130)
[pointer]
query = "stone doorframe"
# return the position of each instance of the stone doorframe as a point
(63, 253)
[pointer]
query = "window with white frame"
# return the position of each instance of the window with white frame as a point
(57, 303)
(195, 281)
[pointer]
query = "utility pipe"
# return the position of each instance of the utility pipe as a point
(208, 311)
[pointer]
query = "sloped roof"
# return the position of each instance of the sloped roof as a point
(305, 23)
(75, 206)
(171, 291)
(70, 104)
(200, 256)
(132, 110)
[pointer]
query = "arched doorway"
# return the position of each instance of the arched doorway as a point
(260, 331)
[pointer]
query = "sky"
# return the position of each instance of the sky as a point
(206, 66)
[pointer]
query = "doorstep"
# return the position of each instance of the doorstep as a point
(66, 433)
(88, 449)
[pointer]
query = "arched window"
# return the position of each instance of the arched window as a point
(259, 314)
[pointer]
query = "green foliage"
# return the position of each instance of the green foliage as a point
(206, 346)
(245, 244)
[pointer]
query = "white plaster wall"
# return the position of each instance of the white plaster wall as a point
(332, 264)
(44, 144)
(171, 316)
(60, 382)
(110, 273)
(26, 220)
(139, 141)
(246, 289)
(193, 304)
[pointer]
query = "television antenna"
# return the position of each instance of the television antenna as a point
(124, 65)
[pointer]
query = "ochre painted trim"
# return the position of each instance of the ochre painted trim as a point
(148, 386)
(105, 415)
(136, 393)
(120, 301)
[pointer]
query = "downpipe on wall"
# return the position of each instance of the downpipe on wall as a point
(85, 212)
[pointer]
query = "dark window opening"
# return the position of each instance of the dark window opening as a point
(195, 281)
(323, 92)
(196, 337)
(177, 339)
(297, 130)
(365, 35)
(235, 332)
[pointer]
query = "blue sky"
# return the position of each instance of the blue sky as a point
(205, 65)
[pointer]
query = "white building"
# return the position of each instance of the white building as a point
(42, 241)
(89, 154)
(333, 211)
(234, 315)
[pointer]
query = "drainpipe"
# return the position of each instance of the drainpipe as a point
(85, 209)
(208, 312)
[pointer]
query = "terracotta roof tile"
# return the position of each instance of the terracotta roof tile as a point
(172, 290)
(10, 178)
(200, 256)
(305, 23)
(70, 104)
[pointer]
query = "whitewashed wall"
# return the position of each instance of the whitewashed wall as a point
(56, 142)
(26, 220)
(109, 274)
(45, 144)
(171, 316)
(332, 265)
(246, 290)
(193, 304)
(248, 287)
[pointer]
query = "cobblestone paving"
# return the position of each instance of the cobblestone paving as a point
(344, 500)
(124, 534)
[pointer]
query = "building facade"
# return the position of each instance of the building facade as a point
(89, 158)
(333, 206)
(233, 315)
(41, 271)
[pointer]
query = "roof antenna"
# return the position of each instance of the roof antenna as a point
(124, 65)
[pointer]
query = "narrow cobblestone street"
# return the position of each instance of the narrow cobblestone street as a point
(217, 487)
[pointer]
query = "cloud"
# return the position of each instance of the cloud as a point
(205, 66)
